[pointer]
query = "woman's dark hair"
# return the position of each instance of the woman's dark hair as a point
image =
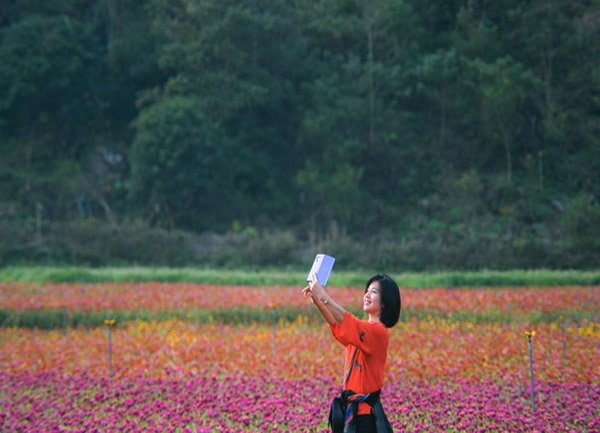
(390, 299)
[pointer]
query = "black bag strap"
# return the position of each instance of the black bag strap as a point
(350, 368)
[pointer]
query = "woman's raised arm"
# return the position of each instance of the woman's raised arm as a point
(329, 309)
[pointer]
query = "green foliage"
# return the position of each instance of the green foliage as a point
(581, 224)
(46, 79)
(295, 276)
(242, 62)
(63, 319)
(247, 249)
(94, 243)
(333, 194)
(179, 159)
(56, 319)
(399, 134)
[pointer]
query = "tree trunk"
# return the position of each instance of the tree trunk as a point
(506, 140)
(370, 18)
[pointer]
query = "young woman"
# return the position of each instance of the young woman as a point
(369, 338)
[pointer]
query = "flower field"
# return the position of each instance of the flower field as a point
(443, 374)
(181, 296)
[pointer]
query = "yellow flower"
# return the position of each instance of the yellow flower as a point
(590, 330)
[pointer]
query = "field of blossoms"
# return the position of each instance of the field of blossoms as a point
(458, 361)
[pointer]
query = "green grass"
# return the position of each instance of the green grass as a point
(59, 319)
(297, 277)
(56, 319)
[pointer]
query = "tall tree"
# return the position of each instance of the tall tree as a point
(240, 60)
(51, 94)
(358, 115)
(505, 87)
(559, 43)
(181, 164)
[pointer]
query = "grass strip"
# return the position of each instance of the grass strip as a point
(57, 319)
(295, 277)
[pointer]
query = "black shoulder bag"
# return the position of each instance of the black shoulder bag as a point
(337, 411)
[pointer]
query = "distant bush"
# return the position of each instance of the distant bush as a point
(245, 248)
(18, 243)
(93, 242)
(423, 253)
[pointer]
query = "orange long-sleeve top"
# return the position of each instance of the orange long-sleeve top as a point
(372, 340)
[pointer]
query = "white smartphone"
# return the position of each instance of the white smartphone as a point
(322, 267)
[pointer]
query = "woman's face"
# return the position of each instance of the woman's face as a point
(372, 299)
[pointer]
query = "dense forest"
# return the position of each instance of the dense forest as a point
(401, 134)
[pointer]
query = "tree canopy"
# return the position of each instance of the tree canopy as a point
(471, 124)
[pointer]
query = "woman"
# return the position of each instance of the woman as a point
(381, 302)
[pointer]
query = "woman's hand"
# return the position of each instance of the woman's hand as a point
(314, 289)
(331, 311)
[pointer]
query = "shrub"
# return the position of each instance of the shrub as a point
(96, 243)
(246, 248)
